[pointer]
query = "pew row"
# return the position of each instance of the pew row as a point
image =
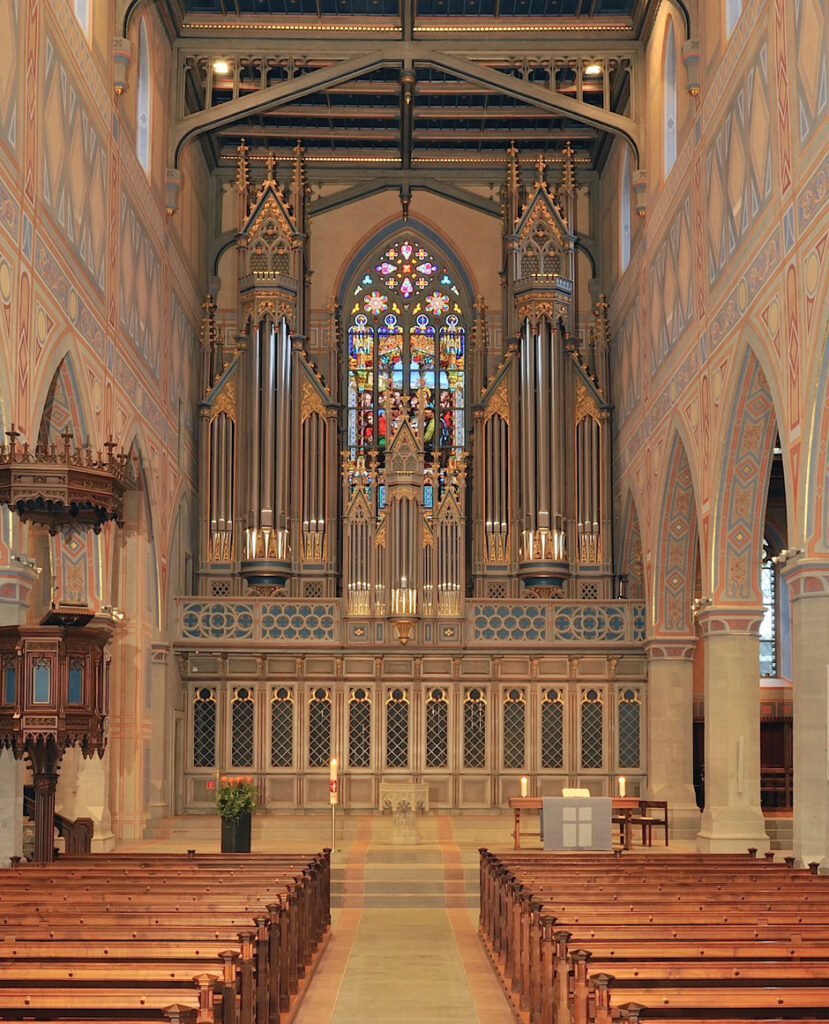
(164, 937)
(595, 938)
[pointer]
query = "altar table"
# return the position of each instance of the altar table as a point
(623, 807)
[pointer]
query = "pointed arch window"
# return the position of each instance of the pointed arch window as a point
(669, 98)
(768, 626)
(83, 12)
(406, 353)
(143, 101)
(733, 10)
(624, 209)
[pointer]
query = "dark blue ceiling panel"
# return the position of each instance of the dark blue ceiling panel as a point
(425, 8)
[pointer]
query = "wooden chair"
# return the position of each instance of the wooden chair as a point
(649, 820)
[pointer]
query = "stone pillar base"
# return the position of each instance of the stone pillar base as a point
(732, 830)
(103, 843)
(683, 822)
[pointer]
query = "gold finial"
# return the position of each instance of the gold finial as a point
(242, 168)
(513, 173)
(568, 174)
(541, 167)
(270, 163)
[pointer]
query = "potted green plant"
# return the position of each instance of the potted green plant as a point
(235, 802)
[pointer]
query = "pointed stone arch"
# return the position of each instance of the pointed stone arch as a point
(630, 557)
(677, 546)
(749, 430)
(63, 407)
(139, 521)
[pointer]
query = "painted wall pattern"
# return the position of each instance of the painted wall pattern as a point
(671, 287)
(676, 556)
(739, 176)
(811, 24)
(89, 280)
(760, 220)
(140, 288)
(9, 72)
(74, 170)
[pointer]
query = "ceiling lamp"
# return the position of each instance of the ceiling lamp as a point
(221, 67)
(64, 485)
(593, 69)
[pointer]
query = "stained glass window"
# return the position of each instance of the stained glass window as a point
(406, 352)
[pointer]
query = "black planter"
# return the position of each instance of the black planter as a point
(236, 834)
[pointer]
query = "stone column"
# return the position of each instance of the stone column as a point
(11, 807)
(670, 730)
(161, 750)
(732, 820)
(809, 594)
(92, 799)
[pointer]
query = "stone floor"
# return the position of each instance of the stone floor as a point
(404, 945)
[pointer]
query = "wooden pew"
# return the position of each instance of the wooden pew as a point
(566, 932)
(219, 938)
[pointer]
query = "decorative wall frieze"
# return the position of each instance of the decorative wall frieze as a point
(671, 648)
(806, 578)
(723, 619)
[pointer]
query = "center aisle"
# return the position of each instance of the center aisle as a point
(404, 945)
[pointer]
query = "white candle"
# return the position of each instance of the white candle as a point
(621, 785)
(333, 784)
(524, 785)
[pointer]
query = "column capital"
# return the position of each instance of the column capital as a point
(677, 648)
(721, 620)
(806, 577)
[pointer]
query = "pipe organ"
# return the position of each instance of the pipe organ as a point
(414, 491)
(397, 427)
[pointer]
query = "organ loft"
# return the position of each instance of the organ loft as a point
(405, 496)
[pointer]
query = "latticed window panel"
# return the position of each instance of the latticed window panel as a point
(397, 729)
(204, 728)
(241, 728)
(437, 729)
(630, 717)
(319, 728)
(474, 729)
(282, 728)
(592, 714)
(359, 729)
(514, 725)
(552, 730)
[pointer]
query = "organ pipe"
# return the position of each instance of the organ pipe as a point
(221, 436)
(270, 401)
(588, 456)
(542, 442)
(496, 488)
(313, 487)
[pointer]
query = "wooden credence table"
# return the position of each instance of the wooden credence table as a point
(623, 809)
